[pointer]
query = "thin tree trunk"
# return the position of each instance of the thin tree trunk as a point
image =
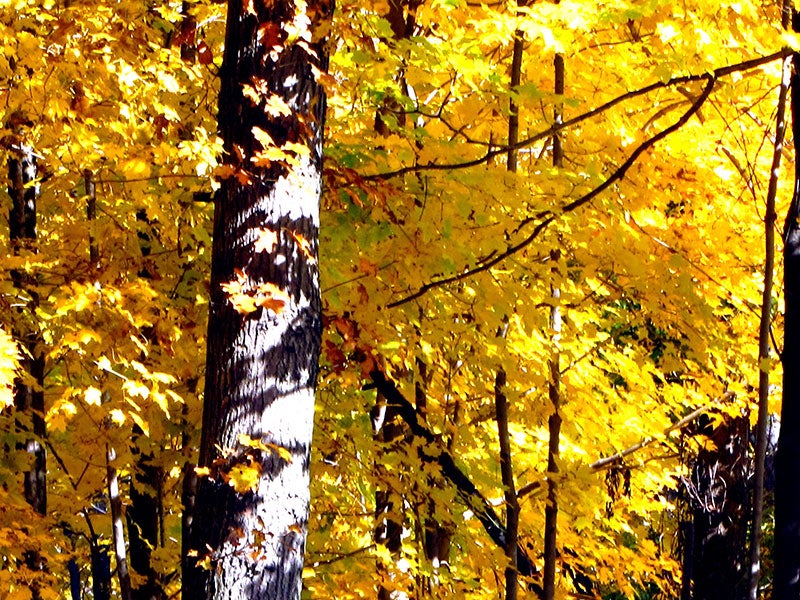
(143, 529)
(501, 402)
(101, 572)
(509, 488)
(91, 216)
(118, 529)
(388, 502)
(251, 511)
(100, 564)
(764, 339)
(554, 384)
(437, 533)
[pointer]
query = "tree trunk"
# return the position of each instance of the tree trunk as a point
(786, 583)
(28, 397)
(101, 571)
(388, 432)
(764, 353)
(117, 528)
(144, 520)
(509, 488)
(554, 383)
(437, 533)
(251, 511)
(718, 500)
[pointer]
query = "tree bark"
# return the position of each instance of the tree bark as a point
(509, 488)
(265, 309)
(786, 581)
(118, 529)
(101, 572)
(28, 397)
(717, 494)
(144, 520)
(387, 432)
(437, 533)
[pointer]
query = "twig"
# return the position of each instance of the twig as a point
(609, 461)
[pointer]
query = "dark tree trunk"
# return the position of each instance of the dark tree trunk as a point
(719, 501)
(265, 322)
(101, 572)
(787, 462)
(388, 432)
(144, 519)
(437, 532)
(28, 397)
(74, 579)
(786, 581)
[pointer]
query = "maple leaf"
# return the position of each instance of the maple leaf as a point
(266, 241)
(244, 478)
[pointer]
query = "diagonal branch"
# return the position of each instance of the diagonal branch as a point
(608, 462)
(432, 452)
(556, 127)
(550, 217)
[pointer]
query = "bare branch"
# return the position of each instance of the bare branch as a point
(556, 127)
(610, 461)
(548, 218)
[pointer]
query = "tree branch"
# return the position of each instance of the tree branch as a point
(569, 207)
(432, 452)
(556, 127)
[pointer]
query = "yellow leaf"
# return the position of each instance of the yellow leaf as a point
(136, 388)
(242, 303)
(244, 478)
(263, 138)
(9, 363)
(117, 416)
(276, 106)
(136, 168)
(791, 39)
(266, 240)
(143, 425)
(92, 396)
(767, 364)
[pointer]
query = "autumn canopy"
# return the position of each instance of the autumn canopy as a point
(539, 256)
